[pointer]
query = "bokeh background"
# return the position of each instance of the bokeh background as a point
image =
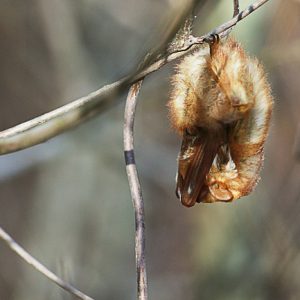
(67, 201)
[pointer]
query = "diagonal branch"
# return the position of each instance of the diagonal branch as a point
(44, 127)
(15, 247)
(135, 190)
(243, 14)
(236, 11)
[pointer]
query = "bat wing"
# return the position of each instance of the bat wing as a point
(196, 156)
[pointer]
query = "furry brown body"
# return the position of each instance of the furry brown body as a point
(221, 105)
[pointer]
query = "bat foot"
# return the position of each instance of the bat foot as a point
(212, 39)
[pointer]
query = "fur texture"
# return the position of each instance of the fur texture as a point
(223, 92)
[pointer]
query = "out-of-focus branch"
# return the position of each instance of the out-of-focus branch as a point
(46, 126)
(178, 22)
(135, 190)
(15, 247)
(51, 124)
(297, 144)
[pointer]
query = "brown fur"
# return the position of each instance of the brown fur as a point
(219, 89)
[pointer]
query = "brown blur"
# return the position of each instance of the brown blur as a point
(67, 201)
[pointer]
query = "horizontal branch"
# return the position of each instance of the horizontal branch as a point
(44, 127)
(15, 247)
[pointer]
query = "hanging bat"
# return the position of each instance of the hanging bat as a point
(221, 105)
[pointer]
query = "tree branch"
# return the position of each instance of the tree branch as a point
(236, 7)
(15, 247)
(296, 147)
(44, 127)
(135, 190)
(243, 14)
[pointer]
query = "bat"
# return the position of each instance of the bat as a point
(221, 105)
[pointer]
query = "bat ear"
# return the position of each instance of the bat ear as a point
(220, 192)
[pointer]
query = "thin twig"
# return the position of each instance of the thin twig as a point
(15, 247)
(44, 127)
(236, 11)
(222, 30)
(135, 190)
(236, 7)
(243, 14)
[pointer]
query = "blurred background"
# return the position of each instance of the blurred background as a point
(67, 201)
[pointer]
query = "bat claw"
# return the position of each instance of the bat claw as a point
(212, 39)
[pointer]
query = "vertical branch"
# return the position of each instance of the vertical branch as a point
(296, 147)
(236, 11)
(135, 190)
(236, 7)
